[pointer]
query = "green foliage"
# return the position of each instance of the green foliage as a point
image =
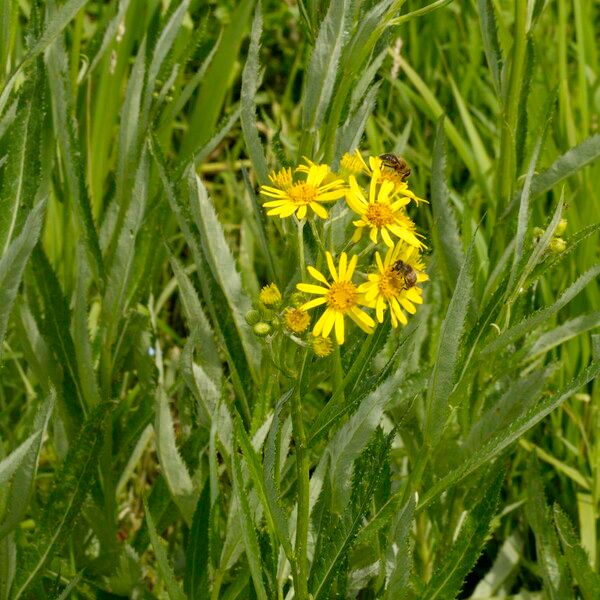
(153, 446)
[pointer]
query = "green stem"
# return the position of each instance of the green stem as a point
(302, 483)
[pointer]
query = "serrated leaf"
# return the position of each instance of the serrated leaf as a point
(579, 563)
(195, 582)
(71, 485)
(451, 571)
(530, 323)
(164, 568)
(250, 82)
(397, 587)
(66, 128)
(247, 526)
(174, 469)
(10, 464)
(510, 434)
(445, 233)
(339, 530)
(13, 262)
(553, 567)
(489, 34)
(322, 71)
(17, 501)
(444, 372)
(221, 262)
(22, 173)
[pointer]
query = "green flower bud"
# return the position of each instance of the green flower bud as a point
(252, 317)
(538, 232)
(262, 329)
(560, 228)
(557, 245)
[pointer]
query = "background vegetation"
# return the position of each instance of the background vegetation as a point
(145, 433)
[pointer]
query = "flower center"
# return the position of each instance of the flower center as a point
(342, 296)
(379, 214)
(390, 284)
(302, 193)
(394, 177)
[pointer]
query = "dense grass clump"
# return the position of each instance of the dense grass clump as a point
(245, 354)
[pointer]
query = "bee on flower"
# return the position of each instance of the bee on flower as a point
(395, 285)
(341, 296)
(382, 213)
(296, 197)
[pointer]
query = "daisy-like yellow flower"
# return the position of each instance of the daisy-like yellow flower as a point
(296, 319)
(342, 298)
(321, 346)
(302, 195)
(384, 173)
(382, 213)
(395, 285)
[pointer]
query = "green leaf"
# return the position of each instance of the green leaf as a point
(553, 567)
(250, 82)
(164, 568)
(322, 71)
(339, 530)
(17, 501)
(56, 22)
(579, 563)
(510, 434)
(489, 34)
(541, 316)
(221, 263)
(10, 465)
(456, 565)
(71, 485)
(445, 233)
(444, 372)
(398, 587)
(566, 165)
(66, 128)
(217, 81)
(249, 537)
(174, 469)
(13, 262)
(22, 175)
(195, 582)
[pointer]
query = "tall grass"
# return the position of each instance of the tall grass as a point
(153, 446)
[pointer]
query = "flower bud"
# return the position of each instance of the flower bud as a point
(322, 346)
(270, 295)
(252, 317)
(561, 227)
(557, 245)
(262, 329)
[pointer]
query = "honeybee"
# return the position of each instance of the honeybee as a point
(397, 164)
(407, 272)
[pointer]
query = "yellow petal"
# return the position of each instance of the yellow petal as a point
(328, 322)
(312, 303)
(343, 263)
(301, 212)
(339, 328)
(408, 306)
(331, 266)
(309, 288)
(386, 237)
(319, 210)
(317, 275)
(351, 267)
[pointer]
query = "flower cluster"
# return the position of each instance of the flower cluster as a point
(382, 275)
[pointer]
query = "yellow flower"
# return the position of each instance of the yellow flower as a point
(301, 195)
(270, 295)
(382, 212)
(384, 173)
(322, 346)
(296, 319)
(353, 164)
(394, 286)
(342, 298)
(282, 179)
